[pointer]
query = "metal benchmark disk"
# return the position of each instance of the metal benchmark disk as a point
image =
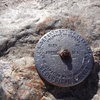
(63, 58)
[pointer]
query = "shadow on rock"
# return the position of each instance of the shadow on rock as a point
(83, 91)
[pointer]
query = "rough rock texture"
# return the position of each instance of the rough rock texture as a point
(23, 22)
(20, 80)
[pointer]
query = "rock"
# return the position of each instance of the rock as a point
(20, 80)
(23, 22)
(27, 25)
(48, 96)
(97, 54)
(96, 97)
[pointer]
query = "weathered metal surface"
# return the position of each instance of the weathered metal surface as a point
(63, 58)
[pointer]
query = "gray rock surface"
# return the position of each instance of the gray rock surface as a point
(23, 22)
